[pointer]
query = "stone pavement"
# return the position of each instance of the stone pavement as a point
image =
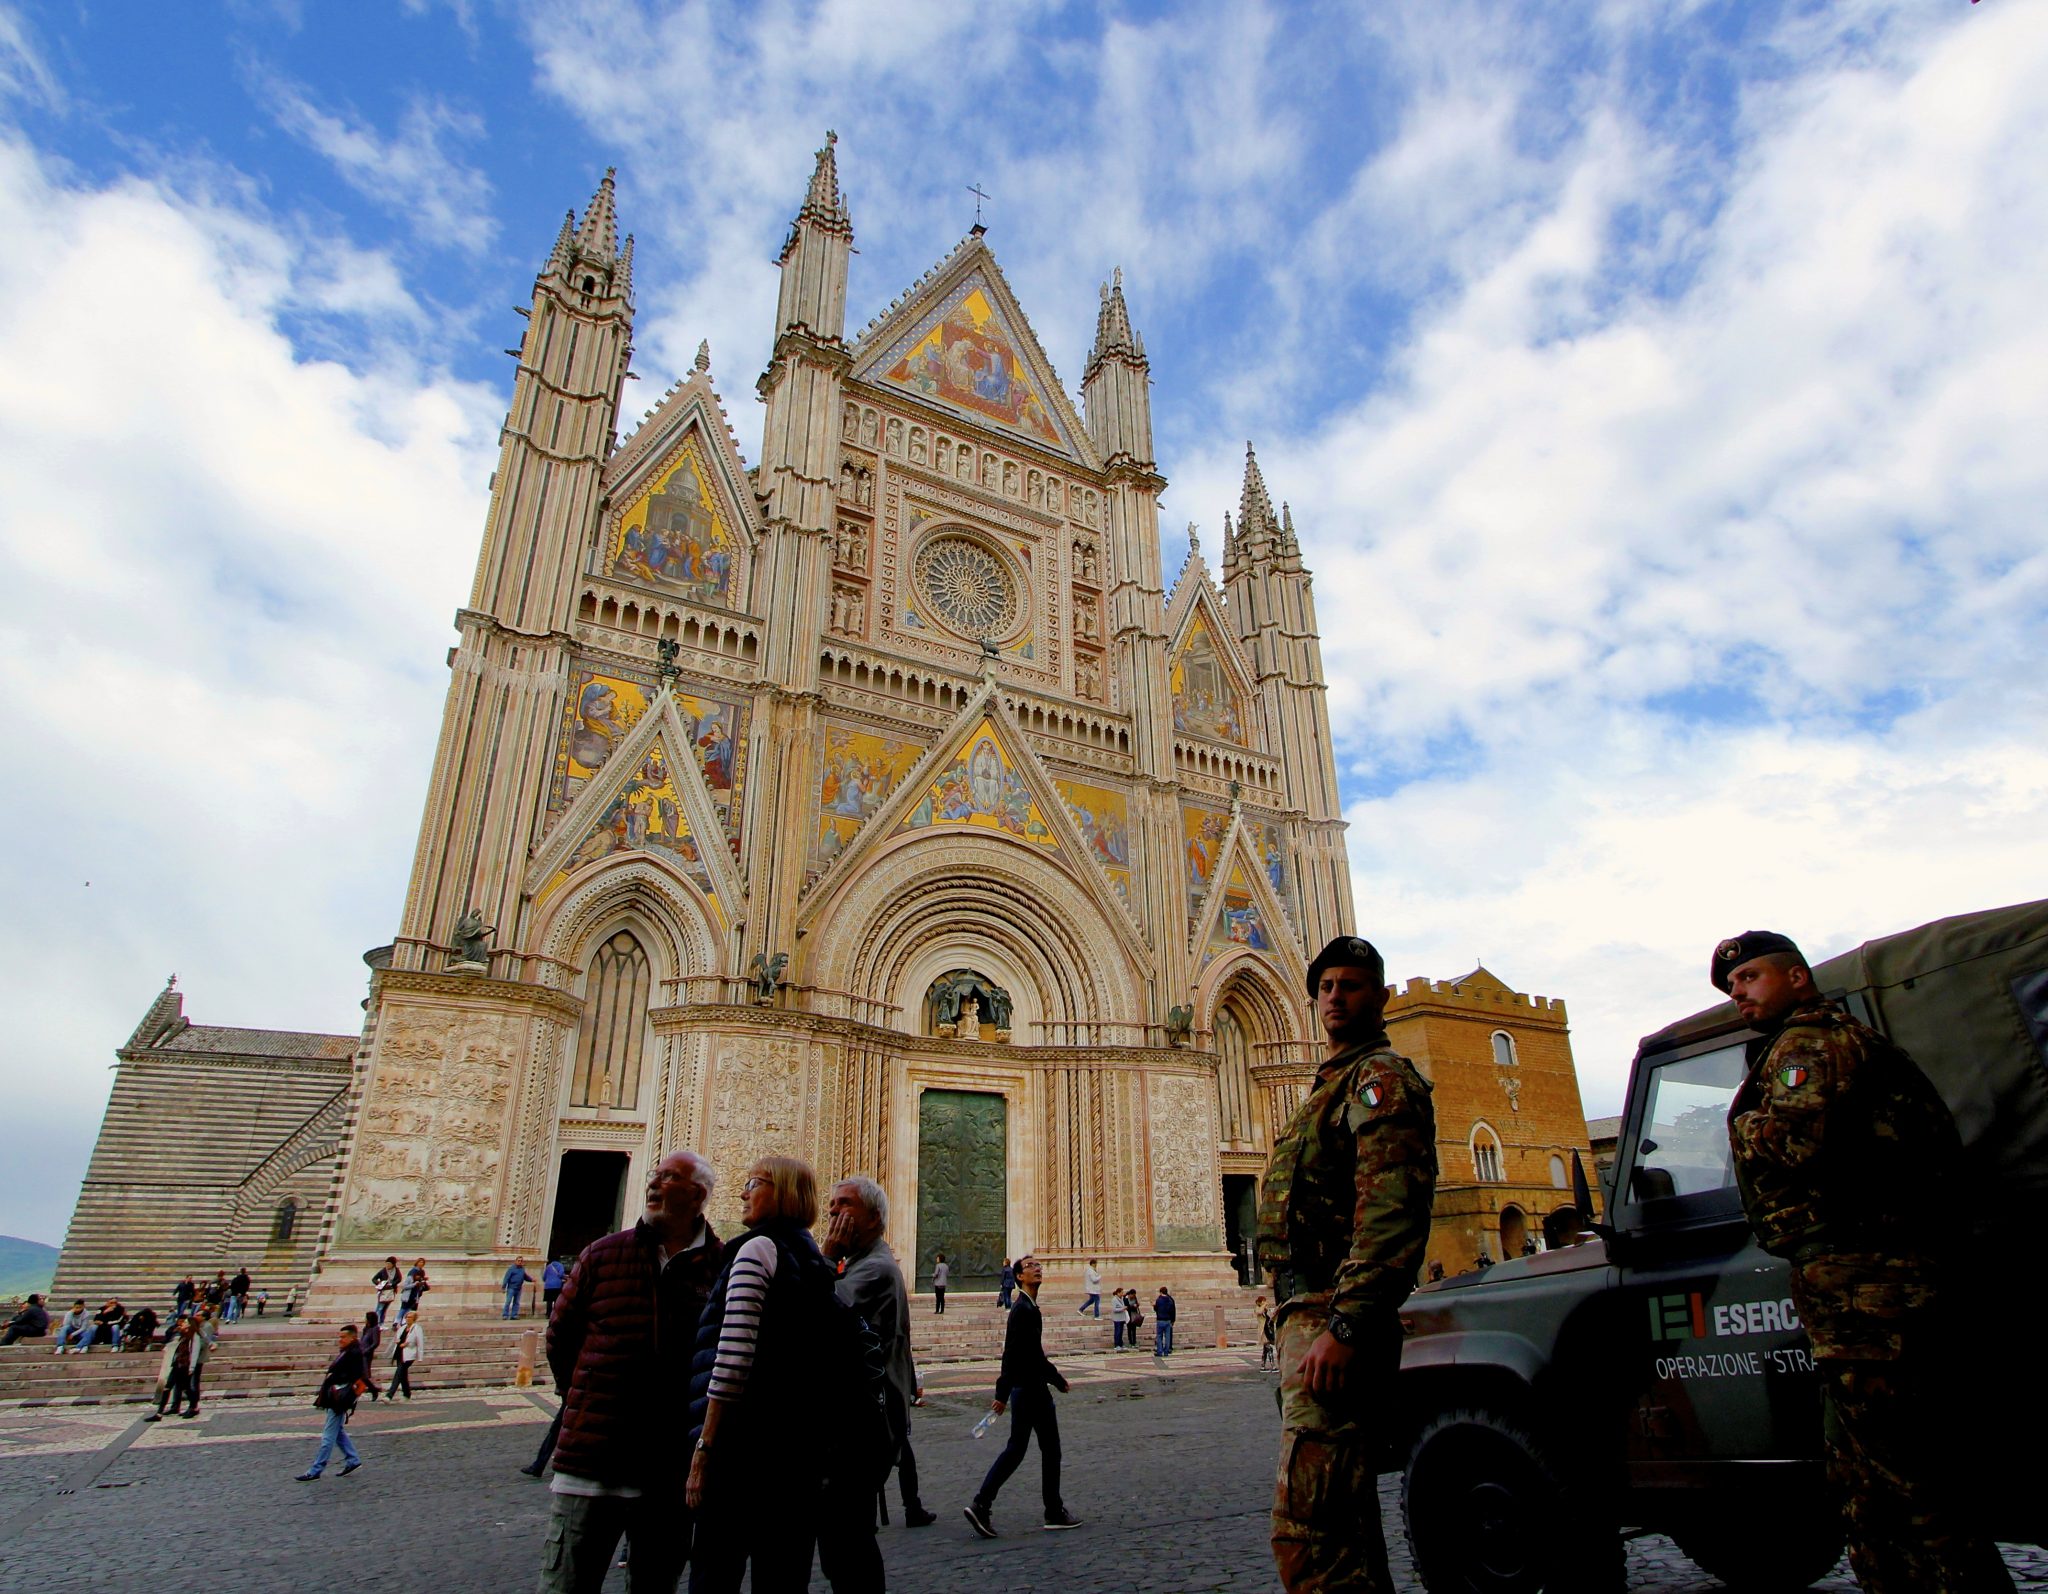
(1170, 1467)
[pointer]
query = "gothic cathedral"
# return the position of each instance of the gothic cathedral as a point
(876, 804)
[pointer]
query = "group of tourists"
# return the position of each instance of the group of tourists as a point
(516, 1278)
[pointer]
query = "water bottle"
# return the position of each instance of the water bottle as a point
(988, 1420)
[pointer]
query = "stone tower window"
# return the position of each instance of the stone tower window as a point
(1486, 1159)
(608, 1052)
(284, 1220)
(1557, 1172)
(1504, 1049)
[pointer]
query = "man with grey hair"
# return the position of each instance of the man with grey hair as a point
(872, 1284)
(619, 1345)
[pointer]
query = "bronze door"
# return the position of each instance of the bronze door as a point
(961, 1174)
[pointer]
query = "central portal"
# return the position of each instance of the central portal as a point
(962, 1195)
(590, 1200)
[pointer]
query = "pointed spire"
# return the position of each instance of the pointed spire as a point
(1229, 532)
(625, 272)
(822, 203)
(565, 242)
(1113, 335)
(1287, 543)
(1255, 505)
(703, 360)
(598, 238)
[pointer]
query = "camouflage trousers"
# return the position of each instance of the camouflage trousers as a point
(1327, 1537)
(1887, 1461)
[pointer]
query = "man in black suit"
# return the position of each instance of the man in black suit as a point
(1028, 1379)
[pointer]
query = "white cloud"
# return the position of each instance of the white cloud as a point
(230, 572)
(416, 173)
(23, 73)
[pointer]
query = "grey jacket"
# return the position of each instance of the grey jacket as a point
(873, 1286)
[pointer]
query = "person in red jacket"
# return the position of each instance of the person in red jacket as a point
(619, 1347)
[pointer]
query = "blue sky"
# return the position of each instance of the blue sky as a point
(1659, 390)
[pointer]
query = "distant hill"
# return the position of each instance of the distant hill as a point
(26, 1266)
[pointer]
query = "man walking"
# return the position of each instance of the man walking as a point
(337, 1397)
(619, 1346)
(514, 1285)
(552, 1278)
(238, 1293)
(1091, 1283)
(1343, 1222)
(178, 1374)
(940, 1274)
(1028, 1378)
(1846, 1158)
(1164, 1311)
(1006, 1285)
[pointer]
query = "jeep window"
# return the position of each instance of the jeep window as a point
(1684, 1146)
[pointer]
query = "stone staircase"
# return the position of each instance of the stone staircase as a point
(262, 1359)
(471, 1350)
(972, 1328)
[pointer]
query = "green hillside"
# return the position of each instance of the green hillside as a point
(26, 1267)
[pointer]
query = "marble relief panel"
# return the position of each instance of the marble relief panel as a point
(426, 1165)
(1186, 1182)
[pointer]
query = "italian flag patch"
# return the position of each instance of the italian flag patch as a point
(1792, 1075)
(1371, 1094)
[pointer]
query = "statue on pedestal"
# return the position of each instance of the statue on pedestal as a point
(767, 976)
(969, 1028)
(472, 952)
(1180, 1025)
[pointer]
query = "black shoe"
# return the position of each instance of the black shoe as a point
(345, 1471)
(307, 1477)
(155, 1416)
(1062, 1518)
(977, 1519)
(916, 1516)
(531, 1472)
(192, 1413)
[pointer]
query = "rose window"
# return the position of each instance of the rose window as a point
(967, 586)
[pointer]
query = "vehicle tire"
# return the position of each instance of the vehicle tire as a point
(1777, 1562)
(1487, 1512)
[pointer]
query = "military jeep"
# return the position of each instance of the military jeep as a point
(1655, 1378)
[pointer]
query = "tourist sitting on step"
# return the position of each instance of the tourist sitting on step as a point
(31, 1322)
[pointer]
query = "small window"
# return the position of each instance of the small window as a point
(1557, 1172)
(284, 1221)
(1504, 1049)
(590, 284)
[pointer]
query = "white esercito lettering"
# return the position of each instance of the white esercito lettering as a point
(1756, 1317)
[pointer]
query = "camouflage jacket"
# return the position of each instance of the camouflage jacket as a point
(1344, 1210)
(1841, 1144)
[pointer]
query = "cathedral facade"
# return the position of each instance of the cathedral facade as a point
(876, 804)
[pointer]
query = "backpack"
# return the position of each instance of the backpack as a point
(859, 1442)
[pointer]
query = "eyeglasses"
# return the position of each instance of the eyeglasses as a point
(754, 1181)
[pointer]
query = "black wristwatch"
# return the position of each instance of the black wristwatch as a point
(1340, 1328)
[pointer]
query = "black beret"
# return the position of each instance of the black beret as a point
(1348, 951)
(1737, 950)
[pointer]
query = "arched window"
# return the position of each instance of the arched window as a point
(1486, 1159)
(1504, 1049)
(284, 1220)
(1557, 1173)
(614, 1037)
(1514, 1233)
(1234, 1079)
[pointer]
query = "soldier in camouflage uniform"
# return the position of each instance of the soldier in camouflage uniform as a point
(1846, 1158)
(1343, 1221)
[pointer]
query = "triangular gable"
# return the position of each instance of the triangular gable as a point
(1242, 911)
(682, 520)
(980, 786)
(1213, 690)
(980, 775)
(963, 343)
(603, 708)
(649, 797)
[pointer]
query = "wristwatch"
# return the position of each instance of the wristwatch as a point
(1341, 1329)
